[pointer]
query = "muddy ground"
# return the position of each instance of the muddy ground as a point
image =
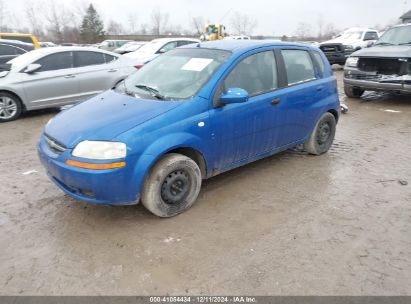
(291, 224)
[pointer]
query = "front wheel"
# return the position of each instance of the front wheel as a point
(10, 107)
(322, 136)
(353, 92)
(172, 186)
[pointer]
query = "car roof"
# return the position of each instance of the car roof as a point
(243, 45)
(175, 39)
(58, 49)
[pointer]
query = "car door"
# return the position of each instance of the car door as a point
(95, 71)
(54, 84)
(296, 110)
(244, 131)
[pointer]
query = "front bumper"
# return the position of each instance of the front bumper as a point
(376, 82)
(337, 58)
(105, 187)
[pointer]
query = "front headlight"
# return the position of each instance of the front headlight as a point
(348, 47)
(352, 62)
(100, 150)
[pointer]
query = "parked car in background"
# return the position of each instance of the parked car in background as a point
(50, 77)
(47, 44)
(10, 49)
(157, 47)
(27, 38)
(339, 49)
(192, 113)
(384, 67)
(110, 45)
(239, 37)
(131, 46)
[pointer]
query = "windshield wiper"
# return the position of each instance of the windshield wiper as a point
(384, 43)
(154, 92)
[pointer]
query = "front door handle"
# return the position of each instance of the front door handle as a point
(275, 102)
(112, 70)
(69, 76)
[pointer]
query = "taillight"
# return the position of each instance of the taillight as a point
(139, 66)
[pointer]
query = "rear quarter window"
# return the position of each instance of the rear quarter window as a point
(320, 63)
(299, 66)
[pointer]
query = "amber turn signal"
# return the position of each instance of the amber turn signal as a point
(78, 164)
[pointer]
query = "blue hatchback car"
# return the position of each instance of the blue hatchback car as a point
(191, 114)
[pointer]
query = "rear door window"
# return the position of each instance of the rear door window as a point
(57, 61)
(299, 66)
(256, 74)
(86, 58)
(8, 50)
(320, 62)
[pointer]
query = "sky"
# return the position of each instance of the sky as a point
(273, 17)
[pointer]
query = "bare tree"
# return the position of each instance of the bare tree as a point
(32, 12)
(3, 16)
(132, 22)
(115, 28)
(159, 21)
(242, 24)
(320, 24)
(58, 19)
(303, 30)
(197, 24)
(330, 31)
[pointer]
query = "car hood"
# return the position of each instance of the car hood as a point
(103, 117)
(342, 41)
(394, 51)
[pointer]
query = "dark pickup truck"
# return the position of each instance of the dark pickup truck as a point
(384, 67)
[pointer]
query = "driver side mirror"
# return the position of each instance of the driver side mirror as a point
(161, 51)
(370, 43)
(234, 95)
(32, 68)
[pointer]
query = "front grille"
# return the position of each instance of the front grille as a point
(366, 77)
(331, 48)
(54, 145)
(385, 66)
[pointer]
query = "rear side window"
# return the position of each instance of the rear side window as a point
(320, 62)
(58, 61)
(83, 58)
(370, 36)
(9, 50)
(109, 58)
(298, 65)
(169, 46)
(256, 74)
(181, 43)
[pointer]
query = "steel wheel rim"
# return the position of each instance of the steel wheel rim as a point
(176, 187)
(8, 107)
(324, 133)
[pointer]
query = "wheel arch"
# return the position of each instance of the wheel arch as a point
(193, 154)
(335, 113)
(16, 95)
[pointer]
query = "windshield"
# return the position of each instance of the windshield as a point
(396, 36)
(352, 35)
(151, 47)
(178, 74)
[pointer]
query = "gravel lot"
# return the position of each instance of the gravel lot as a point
(292, 224)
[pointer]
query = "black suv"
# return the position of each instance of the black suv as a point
(10, 49)
(384, 67)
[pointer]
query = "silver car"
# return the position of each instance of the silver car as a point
(51, 77)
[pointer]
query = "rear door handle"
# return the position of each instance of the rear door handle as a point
(69, 76)
(275, 102)
(320, 88)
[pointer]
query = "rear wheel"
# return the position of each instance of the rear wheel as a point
(353, 92)
(10, 107)
(322, 136)
(172, 186)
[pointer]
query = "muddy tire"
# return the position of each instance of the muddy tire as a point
(353, 92)
(322, 136)
(10, 107)
(172, 186)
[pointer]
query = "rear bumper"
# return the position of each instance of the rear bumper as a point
(374, 82)
(105, 187)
